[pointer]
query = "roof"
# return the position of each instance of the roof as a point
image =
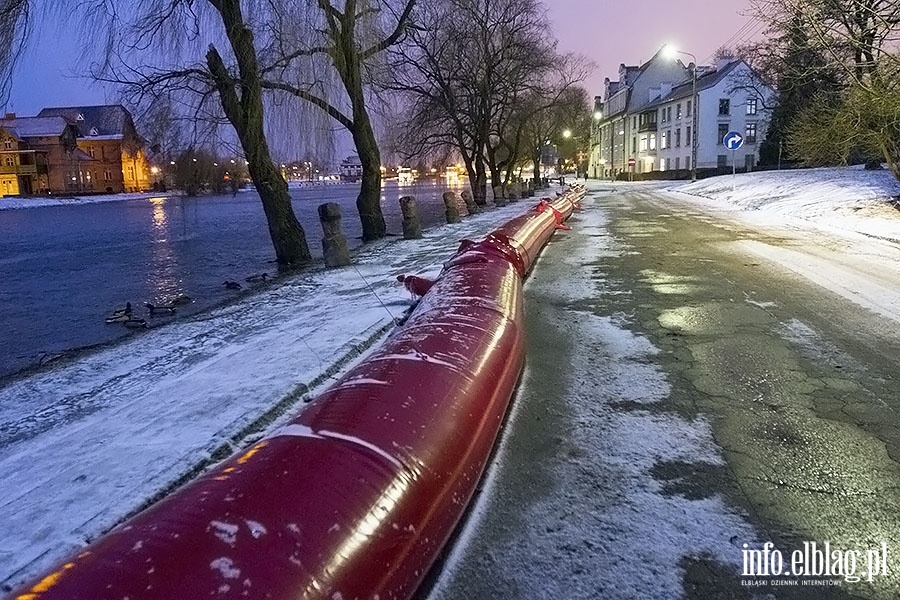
(29, 127)
(109, 122)
(685, 89)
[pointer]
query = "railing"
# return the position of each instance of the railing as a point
(18, 170)
(643, 127)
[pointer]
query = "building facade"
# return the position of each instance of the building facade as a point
(40, 155)
(645, 121)
(107, 134)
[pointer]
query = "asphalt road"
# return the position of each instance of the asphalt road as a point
(686, 394)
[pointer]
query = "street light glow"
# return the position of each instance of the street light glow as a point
(567, 133)
(598, 115)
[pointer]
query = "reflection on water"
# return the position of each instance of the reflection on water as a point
(162, 276)
(64, 268)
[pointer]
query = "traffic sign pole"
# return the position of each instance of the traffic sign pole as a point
(733, 140)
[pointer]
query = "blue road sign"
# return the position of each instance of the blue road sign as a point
(733, 140)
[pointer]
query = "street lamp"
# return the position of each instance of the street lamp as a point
(567, 133)
(596, 141)
(671, 51)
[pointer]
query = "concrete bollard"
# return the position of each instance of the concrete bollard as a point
(412, 227)
(334, 242)
(461, 205)
(451, 211)
(470, 202)
(500, 196)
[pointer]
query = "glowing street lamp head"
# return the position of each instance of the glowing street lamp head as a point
(598, 115)
(670, 51)
(567, 133)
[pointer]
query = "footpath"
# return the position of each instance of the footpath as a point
(86, 443)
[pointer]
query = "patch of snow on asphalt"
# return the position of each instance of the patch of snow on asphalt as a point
(608, 528)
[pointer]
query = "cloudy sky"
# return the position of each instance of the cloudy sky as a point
(608, 33)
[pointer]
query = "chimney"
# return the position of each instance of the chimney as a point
(10, 116)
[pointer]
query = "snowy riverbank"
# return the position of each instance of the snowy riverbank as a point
(86, 443)
(16, 202)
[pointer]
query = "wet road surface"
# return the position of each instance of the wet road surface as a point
(686, 394)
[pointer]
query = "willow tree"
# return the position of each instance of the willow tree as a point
(350, 39)
(465, 69)
(13, 26)
(204, 54)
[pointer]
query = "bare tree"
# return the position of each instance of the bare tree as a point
(463, 68)
(569, 110)
(14, 21)
(350, 38)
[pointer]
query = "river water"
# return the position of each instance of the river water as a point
(64, 268)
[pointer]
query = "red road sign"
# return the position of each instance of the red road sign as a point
(631, 162)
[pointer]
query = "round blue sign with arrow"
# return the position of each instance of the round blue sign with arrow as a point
(733, 140)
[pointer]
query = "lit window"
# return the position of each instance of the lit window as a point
(751, 106)
(750, 133)
(652, 141)
(678, 110)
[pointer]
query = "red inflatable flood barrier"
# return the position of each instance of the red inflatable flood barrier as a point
(356, 496)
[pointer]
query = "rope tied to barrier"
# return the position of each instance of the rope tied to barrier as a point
(544, 205)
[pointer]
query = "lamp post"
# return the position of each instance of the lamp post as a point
(672, 51)
(596, 141)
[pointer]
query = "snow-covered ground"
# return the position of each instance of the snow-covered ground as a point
(89, 442)
(840, 227)
(15, 202)
(844, 199)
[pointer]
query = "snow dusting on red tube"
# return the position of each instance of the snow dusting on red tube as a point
(356, 496)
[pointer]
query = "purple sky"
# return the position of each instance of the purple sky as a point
(629, 32)
(610, 33)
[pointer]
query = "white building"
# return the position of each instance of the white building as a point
(655, 133)
(351, 168)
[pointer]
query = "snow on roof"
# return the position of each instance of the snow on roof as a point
(28, 127)
(108, 120)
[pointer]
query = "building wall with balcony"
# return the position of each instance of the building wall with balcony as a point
(665, 143)
(624, 132)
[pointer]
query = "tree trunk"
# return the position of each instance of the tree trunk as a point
(245, 112)
(538, 183)
(368, 203)
(479, 185)
(348, 63)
